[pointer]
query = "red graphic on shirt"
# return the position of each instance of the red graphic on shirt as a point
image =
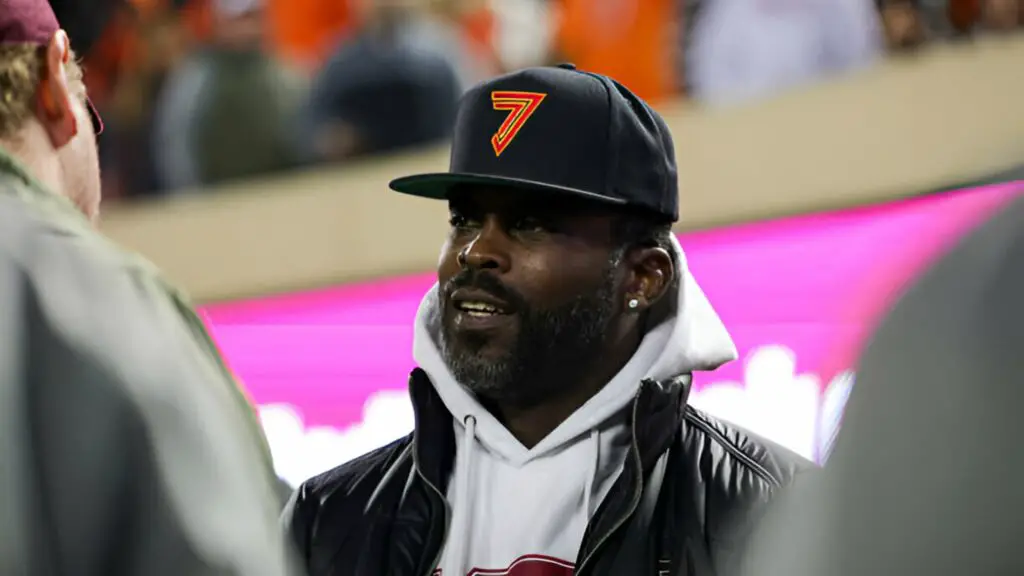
(529, 565)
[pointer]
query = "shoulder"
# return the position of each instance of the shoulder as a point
(738, 473)
(764, 462)
(364, 470)
(342, 492)
(97, 300)
(86, 299)
(55, 247)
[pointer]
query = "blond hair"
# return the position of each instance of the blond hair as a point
(21, 68)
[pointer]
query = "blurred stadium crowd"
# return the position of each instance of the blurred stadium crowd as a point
(197, 92)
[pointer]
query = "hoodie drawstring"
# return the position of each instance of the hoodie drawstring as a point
(462, 513)
(595, 462)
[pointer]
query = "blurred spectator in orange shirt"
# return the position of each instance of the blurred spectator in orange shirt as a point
(964, 15)
(633, 41)
(303, 32)
(300, 32)
(523, 32)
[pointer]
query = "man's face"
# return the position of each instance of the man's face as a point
(243, 32)
(902, 25)
(529, 287)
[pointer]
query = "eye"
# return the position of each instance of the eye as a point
(460, 222)
(531, 225)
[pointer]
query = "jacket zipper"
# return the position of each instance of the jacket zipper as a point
(634, 503)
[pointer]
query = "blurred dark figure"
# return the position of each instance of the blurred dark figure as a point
(160, 45)
(393, 86)
(927, 476)
(903, 23)
(85, 20)
(229, 110)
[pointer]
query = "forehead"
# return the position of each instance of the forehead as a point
(500, 201)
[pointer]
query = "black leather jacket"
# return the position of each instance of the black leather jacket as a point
(690, 493)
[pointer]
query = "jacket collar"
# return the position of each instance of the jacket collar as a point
(33, 190)
(659, 407)
(434, 445)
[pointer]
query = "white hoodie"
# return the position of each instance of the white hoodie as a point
(513, 505)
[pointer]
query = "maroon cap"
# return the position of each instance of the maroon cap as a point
(27, 22)
(33, 22)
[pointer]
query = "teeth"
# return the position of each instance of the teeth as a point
(478, 307)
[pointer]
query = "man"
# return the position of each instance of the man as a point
(927, 476)
(125, 447)
(393, 86)
(228, 110)
(555, 351)
(747, 50)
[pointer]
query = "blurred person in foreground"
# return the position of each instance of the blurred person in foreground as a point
(555, 356)
(395, 85)
(125, 445)
(228, 111)
(927, 475)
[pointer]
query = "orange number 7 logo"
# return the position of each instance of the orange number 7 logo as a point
(520, 106)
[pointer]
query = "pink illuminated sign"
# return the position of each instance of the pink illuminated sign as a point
(329, 368)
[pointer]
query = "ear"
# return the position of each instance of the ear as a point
(54, 98)
(651, 274)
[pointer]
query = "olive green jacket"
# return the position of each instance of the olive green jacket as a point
(126, 445)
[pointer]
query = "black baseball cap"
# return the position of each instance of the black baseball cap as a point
(563, 131)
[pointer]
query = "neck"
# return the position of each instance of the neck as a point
(531, 424)
(32, 150)
(30, 147)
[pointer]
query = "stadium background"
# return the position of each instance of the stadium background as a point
(808, 200)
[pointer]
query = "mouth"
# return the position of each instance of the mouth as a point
(479, 310)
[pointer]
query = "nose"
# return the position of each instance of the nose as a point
(488, 250)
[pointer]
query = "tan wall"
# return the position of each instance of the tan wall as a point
(954, 114)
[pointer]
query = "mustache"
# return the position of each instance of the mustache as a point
(484, 282)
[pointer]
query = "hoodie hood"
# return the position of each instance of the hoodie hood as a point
(692, 339)
(576, 464)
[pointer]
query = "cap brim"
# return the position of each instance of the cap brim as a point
(438, 186)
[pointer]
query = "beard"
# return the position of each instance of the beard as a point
(549, 351)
